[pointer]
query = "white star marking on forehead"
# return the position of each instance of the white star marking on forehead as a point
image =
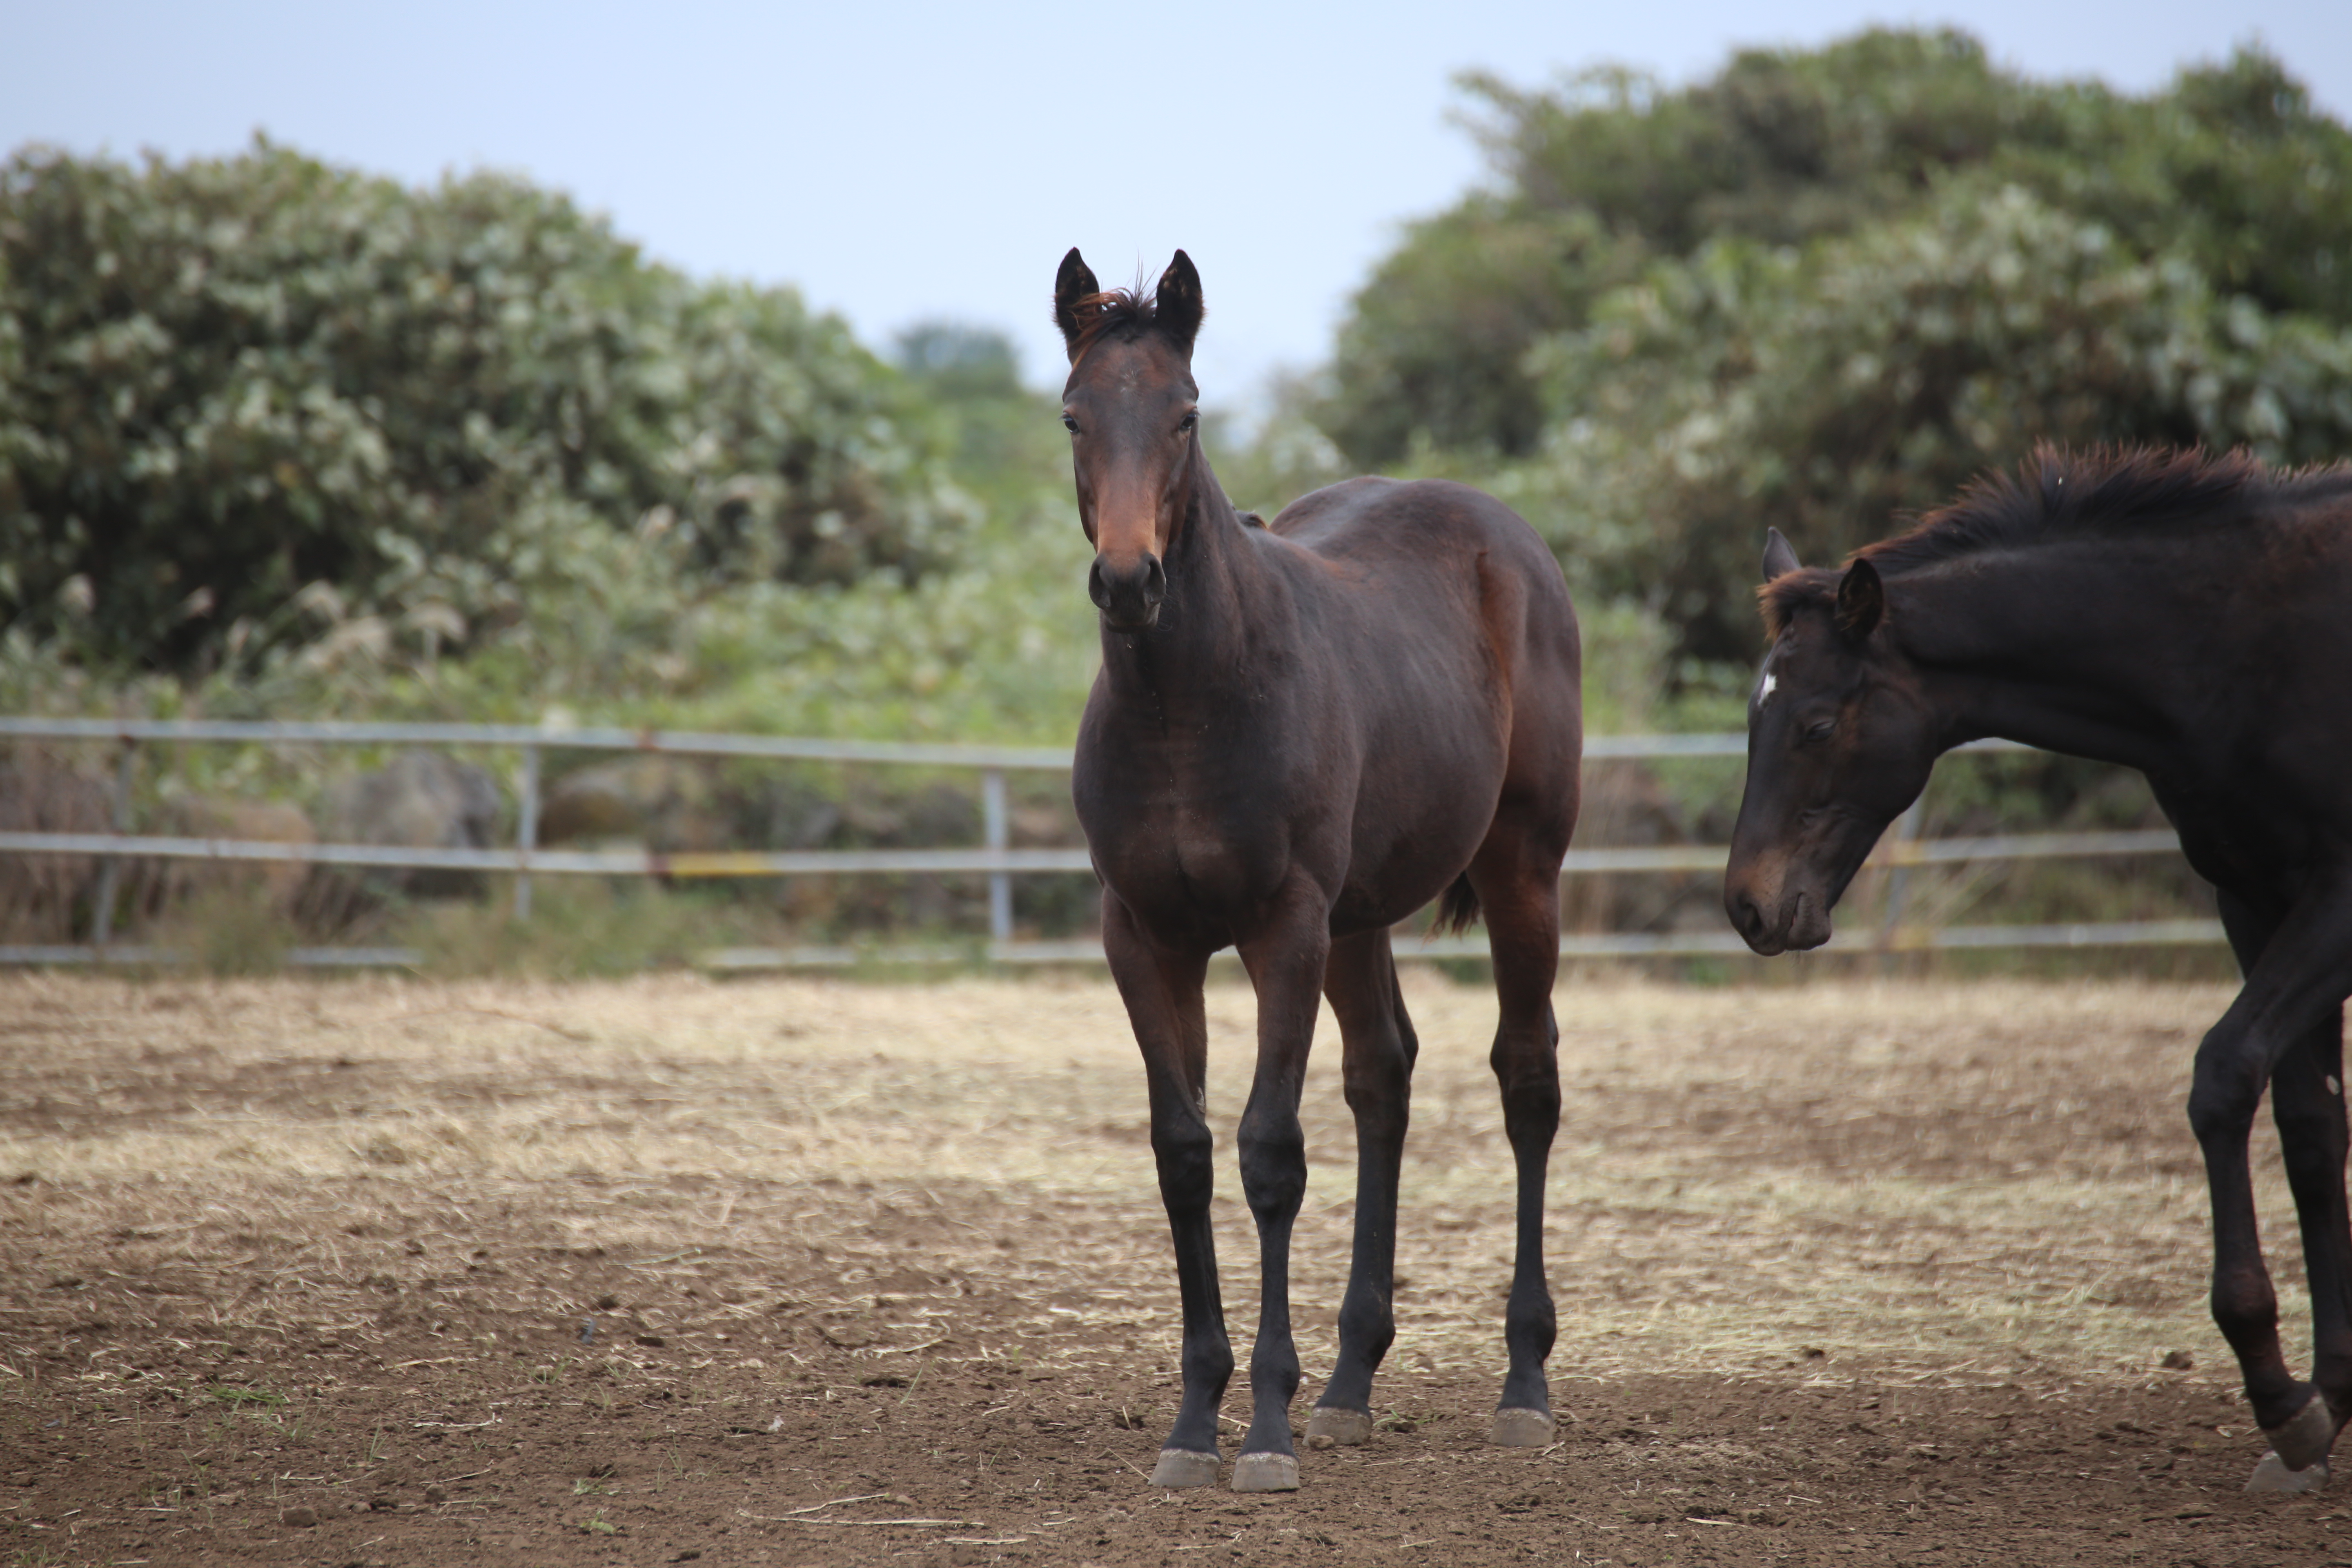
(1764, 693)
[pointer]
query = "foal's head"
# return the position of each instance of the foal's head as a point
(1839, 740)
(1134, 417)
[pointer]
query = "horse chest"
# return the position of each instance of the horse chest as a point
(1182, 842)
(2241, 840)
(1194, 851)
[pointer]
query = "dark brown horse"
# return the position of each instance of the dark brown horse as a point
(2188, 616)
(1303, 733)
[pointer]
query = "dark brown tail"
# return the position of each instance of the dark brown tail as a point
(1457, 907)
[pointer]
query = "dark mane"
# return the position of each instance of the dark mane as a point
(2057, 494)
(1112, 310)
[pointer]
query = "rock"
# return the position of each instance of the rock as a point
(665, 804)
(300, 1517)
(421, 800)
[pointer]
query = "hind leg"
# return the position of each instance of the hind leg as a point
(1379, 1048)
(1517, 875)
(2307, 1102)
(2297, 975)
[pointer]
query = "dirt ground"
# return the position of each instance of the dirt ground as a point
(377, 1271)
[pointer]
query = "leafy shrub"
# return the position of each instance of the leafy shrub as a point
(2231, 170)
(257, 403)
(1827, 287)
(1829, 390)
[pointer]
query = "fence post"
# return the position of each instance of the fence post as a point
(1000, 883)
(526, 829)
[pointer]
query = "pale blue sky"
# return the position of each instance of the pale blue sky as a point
(901, 161)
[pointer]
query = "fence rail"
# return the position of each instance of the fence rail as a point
(1896, 853)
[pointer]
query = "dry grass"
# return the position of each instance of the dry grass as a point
(1930, 1183)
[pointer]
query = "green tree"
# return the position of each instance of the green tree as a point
(1608, 174)
(1830, 390)
(225, 382)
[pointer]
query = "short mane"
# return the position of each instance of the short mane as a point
(2057, 494)
(1111, 310)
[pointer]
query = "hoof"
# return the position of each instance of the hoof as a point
(2273, 1475)
(1340, 1425)
(1184, 1467)
(2302, 1439)
(1522, 1428)
(1265, 1473)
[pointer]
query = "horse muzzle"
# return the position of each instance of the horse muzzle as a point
(1796, 922)
(1129, 594)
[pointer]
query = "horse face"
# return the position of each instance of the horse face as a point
(1133, 414)
(1839, 743)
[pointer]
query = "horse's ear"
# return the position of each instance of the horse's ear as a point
(1074, 282)
(1778, 559)
(1861, 599)
(1178, 307)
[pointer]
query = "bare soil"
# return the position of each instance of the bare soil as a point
(389, 1272)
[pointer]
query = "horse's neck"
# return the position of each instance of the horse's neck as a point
(1217, 585)
(2032, 651)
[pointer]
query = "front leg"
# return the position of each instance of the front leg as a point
(1285, 960)
(1161, 988)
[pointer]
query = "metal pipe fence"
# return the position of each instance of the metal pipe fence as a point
(1899, 851)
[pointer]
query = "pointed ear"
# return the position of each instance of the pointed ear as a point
(1074, 282)
(1178, 307)
(1860, 600)
(1778, 559)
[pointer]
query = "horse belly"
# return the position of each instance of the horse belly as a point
(1409, 843)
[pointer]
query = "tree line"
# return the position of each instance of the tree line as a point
(251, 402)
(260, 407)
(1824, 288)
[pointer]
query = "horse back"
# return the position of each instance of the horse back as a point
(1428, 549)
(1446, 564)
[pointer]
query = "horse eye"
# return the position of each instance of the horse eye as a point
(1189, 421)
(1069, 423)
(1821, 728)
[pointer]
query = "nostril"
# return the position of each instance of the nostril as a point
(1096, 589)
(1155, 580)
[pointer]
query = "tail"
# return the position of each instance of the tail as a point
(1457, 907)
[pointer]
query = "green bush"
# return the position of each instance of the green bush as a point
(1827, 287)
(1831, 389)
(256, 403)
(1597, 178)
